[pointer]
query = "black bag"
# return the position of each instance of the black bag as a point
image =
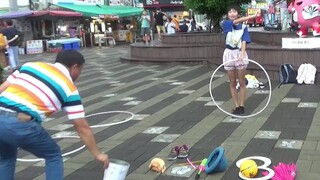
(287, 74)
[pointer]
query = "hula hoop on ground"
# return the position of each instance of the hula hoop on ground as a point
(248, 116)
(111, 124)
(63, 155)
(77, 137)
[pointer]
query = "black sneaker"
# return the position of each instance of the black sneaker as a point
(236, 111)
(241, 110)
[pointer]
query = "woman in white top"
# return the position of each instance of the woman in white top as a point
(170, 26)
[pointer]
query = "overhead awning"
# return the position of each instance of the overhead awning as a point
(15, 14)
(2, 11)
(57, 13)
(98, 10)
(124, 11)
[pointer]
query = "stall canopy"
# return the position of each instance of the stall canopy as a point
(97, 10)
(57, 13)
(2, 11)
(15, 14)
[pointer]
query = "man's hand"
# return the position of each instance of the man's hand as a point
(104, 158)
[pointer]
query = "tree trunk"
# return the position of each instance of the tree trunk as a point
(216, 25)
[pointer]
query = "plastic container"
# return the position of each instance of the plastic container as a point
(117, 170)
(76, 45)
(66, 46)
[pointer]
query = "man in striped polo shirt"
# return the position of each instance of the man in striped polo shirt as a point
(29, 95)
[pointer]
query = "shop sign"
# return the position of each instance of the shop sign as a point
(79, 1)
(163, 2)
(120, 2)
(140, 5)
(93, 1)
(180, 2)
(300, 43)
(152, 2)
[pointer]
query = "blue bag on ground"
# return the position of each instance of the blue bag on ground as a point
(287, 74)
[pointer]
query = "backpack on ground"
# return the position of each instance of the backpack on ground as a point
(306, 74)
(287, 74)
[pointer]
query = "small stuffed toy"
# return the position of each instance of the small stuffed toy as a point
(157, 165)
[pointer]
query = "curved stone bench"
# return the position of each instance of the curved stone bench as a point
(207, 48)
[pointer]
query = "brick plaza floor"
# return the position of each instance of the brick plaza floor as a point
(172, 106)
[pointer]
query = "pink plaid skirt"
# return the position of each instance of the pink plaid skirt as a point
(229, 55)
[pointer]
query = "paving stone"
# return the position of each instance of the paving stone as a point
(211, 103)
(284, 155)
(186, 92)
(303, 166)
(113, 82)
(262, 92)
(307, 105)
(177, 83)
(180, 171)
(218, 75)
(137, 176)
(43, 162)
(117, 84)
(165, 138)
(230, 119)
(289, 144)
(155, 130)
(48, 119)
(170, 81)
(29, 173)
(315, 167)
(204, 99)
(140, 117)
(291, 100)
(61, 127)
(106, 78)
(126, 141)
(132, 103)
(308, 175)
(63, 134)
(109, 95)
(268, 134)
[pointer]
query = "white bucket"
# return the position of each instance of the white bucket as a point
(117, 170)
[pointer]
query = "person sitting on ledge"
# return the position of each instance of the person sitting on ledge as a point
(184, 27)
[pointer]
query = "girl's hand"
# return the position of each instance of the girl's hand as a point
(241, 59)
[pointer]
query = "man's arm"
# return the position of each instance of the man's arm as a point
(88, 139)
(14, 38)
(4, 86)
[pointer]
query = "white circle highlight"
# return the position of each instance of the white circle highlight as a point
(111, 124)
(63, 155)
(248, 116)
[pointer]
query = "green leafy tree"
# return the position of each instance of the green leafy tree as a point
(213, 9)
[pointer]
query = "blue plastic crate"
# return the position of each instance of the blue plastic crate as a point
(76, 45)
(66, 46)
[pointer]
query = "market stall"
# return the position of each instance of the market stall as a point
(57, 30)
(107, 22)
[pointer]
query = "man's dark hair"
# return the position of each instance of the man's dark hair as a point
(9, 22)
(70, 58)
